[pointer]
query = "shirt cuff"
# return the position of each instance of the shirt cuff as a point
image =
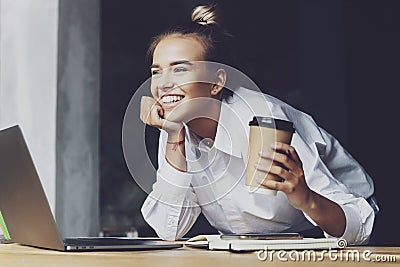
(359, 222)
(358, 228)
(353, 224)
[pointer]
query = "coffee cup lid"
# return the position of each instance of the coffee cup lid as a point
(272, 123)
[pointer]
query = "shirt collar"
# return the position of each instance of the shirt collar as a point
(236, 111)
(233, 130)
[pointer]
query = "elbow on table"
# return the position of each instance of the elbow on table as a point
(358, 227)
(168, 236)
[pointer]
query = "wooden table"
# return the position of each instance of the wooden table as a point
(16, 255)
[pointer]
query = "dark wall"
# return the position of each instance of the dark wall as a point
(372, 69)
(336, 60)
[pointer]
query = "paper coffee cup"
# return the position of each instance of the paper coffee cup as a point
(265, 131)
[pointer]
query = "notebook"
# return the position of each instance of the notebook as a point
(26, 215)
(215, 242)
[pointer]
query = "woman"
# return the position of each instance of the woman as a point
(322, 185)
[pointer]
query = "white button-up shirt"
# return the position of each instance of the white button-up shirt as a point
(214, 182)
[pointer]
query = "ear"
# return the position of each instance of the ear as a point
(220, 82)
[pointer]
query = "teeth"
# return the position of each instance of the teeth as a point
(171, 99)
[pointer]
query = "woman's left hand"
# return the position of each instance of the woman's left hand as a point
(293, 182)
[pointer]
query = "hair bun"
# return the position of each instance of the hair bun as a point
(205, 15)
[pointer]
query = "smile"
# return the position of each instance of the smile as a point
(169, 99)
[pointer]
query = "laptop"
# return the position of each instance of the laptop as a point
(26, 212)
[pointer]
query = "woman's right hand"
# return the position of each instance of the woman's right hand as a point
(152, 114)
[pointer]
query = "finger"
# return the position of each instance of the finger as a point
(144, 113)
(146, 104)
(142, 109)
(154, 117)
(281, 158)
(287, 149)
(277, 170)
(148, 116)
(158, 120)
(281, 147)
(275, 185)
(287, 188)
(159, 109)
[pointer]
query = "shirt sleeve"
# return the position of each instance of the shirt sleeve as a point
(359, 214)
(344, 167)
(333, 173)
(171, 208)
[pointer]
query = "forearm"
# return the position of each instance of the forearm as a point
(175, 150)
(327, 214)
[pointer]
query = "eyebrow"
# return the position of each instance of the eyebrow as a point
(178, 62)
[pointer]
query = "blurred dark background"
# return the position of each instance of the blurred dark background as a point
(337, 60)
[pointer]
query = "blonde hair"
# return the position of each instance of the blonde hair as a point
(204, 27)
(205, 15)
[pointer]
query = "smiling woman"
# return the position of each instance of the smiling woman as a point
(204, 142)
(182, 87)
(177, 73)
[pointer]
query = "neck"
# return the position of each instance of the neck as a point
(206, 126)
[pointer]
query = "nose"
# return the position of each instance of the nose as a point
(165, 83)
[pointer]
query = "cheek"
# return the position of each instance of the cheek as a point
(153, 89)
(198, 89)
(189, 78)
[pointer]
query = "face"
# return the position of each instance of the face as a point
(176, 78)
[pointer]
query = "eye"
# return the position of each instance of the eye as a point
(180, 69)
(155, 72)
